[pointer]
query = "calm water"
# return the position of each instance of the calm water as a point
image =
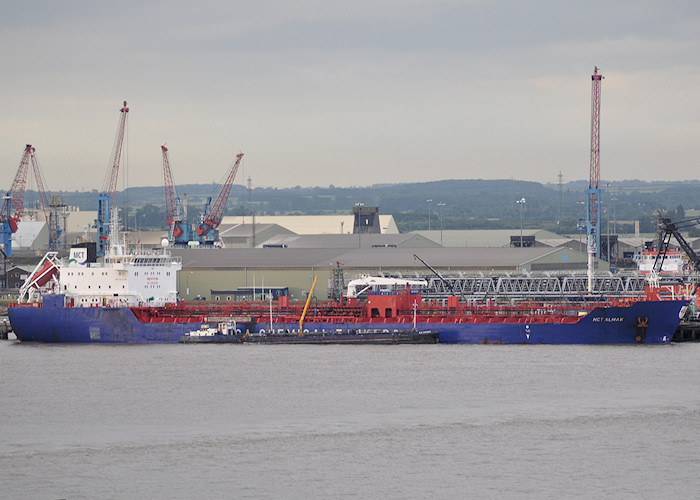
(260, 421)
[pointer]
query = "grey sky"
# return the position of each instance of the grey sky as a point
(321, 92)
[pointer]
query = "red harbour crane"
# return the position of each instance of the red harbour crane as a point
(179, 229)
(13, 203)
(211, 217)
(170, 195)
(105, 200)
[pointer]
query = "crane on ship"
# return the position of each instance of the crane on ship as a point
(13, 201)
(212, 214)
(105, 200)
(179, 229)
(593, 198)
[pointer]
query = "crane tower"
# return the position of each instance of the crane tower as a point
(105, 199)
(179, 229)
(593, 205)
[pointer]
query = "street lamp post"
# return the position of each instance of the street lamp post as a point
(521, 202)
(441, 204)
(429, 202)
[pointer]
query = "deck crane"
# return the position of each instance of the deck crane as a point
(212, 214)
(105, 199)
(13, 202)
(179, 229)
(593, 205)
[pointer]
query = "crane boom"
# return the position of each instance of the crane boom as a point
(179, 229)
(19, 184)
(105, 199)
(212, 217)
(39, 178)
(593, 205)
(170, 194)
(111, 187)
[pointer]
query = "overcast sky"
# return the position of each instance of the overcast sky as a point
(320, 92)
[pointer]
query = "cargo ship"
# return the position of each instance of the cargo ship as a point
(649, 321)
(132, 298)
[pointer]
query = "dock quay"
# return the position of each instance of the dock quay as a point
(688, 331)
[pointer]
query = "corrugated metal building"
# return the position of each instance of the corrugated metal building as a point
(467, 238)
(314, 224)
(406, 240)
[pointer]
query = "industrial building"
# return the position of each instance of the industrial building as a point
(318, 224)
(218, 274)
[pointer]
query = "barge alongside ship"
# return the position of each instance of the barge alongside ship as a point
(228, 333)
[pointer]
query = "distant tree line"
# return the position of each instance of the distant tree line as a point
(452, 204)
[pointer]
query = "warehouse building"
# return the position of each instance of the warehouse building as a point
(217, 274)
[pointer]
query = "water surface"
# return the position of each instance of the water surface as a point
(306, 421)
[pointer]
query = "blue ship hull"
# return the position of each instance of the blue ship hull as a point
(649, 322)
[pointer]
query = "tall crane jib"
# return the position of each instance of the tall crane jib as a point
(13, 201)
(593, 198)
(213, 213)
(179, 229)
(593, 206)
(105, 199)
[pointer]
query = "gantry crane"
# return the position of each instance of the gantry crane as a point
(179, 229)
(105, 199)
(13, 202)
(593, 205)
(211, 216)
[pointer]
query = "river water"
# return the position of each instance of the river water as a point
(299, 421)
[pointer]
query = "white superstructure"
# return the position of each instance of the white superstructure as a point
(359, 286)
(121, 279)
(675, 262)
